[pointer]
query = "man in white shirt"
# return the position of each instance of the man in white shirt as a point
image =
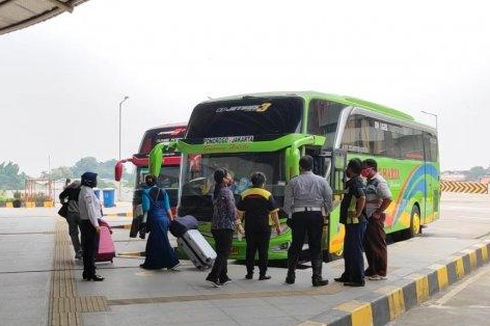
(90, 211)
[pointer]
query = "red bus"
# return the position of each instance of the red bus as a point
(169, 176)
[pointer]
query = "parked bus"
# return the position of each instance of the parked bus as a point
(270, 132)
(169, 177)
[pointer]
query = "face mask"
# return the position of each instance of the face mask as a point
(368, 172)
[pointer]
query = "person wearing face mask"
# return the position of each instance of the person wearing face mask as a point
(352, 216)
(378, 198)
(90, 211)
(223, 225)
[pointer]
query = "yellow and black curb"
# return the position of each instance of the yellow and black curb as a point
(128, 214)
(31, 204)
(389, 303)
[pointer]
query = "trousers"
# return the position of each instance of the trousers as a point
(223, 239)
(90, 247)
(257, 241)
(306, 224)
(353, 258)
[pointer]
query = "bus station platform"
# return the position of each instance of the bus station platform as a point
(40, 282)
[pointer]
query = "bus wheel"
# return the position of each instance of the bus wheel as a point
(414, 223)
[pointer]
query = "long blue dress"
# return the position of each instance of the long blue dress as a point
(159, 252)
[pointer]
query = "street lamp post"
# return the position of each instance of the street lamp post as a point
(120, 137)
(120, 123)
(434, 115)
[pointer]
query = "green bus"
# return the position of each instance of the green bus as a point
(269, 132)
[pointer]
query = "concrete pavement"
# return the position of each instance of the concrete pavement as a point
(131, 296)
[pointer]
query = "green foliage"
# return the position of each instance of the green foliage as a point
(63, 172)
(10, 176)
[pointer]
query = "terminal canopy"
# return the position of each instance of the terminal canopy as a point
(18, 14)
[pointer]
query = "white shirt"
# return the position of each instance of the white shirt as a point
(377, 189)
(89, 205)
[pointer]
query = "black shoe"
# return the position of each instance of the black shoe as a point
(290, 279)
(264, 277)
(341, 280)
(95, 278)
(319, 282)
(213, 282)
(249, 276)
(355, 284)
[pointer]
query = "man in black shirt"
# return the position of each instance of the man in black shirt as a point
(352, 216)
(257, 206)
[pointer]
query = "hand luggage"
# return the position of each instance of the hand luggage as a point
(182, 224)
(197, 249)
(107, 250)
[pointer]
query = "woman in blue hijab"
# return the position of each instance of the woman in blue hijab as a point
(159, 252)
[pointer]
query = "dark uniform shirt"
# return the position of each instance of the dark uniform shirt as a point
(224, 213)
(257, 204)
(355, 188)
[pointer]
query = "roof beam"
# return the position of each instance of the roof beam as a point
(62, 5)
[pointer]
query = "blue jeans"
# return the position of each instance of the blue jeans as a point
(353, 247)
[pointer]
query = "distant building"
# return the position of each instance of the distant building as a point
(453, 176)
(485, 180)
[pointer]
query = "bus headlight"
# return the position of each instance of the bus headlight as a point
(284, 229)
(282, 247)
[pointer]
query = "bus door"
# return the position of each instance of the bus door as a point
(330, 164)
(431, 181)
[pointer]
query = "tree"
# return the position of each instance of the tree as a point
(85, 164)
(476, 173)
(63, 172)
(10, 178)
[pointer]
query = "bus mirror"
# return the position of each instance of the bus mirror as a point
(118, 171)
(337, 172)
(156, 160)
(292, 157)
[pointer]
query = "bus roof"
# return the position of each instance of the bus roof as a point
(170, 125)
(347, 100)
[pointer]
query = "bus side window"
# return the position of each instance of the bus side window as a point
(431, 151)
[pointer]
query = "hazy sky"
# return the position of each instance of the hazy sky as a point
(61, 80)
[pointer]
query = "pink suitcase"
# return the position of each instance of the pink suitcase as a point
(107, 250)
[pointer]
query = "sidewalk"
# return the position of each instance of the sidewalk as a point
(37, 271)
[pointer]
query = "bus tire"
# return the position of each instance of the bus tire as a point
(415, 227)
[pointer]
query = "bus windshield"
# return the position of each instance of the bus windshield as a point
(198, 182)
(262, 118)
(168, 180)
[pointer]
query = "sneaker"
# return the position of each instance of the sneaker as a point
(213, 283)
(377, 278)
(227, 281)
(264, 277)
(175, 268)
